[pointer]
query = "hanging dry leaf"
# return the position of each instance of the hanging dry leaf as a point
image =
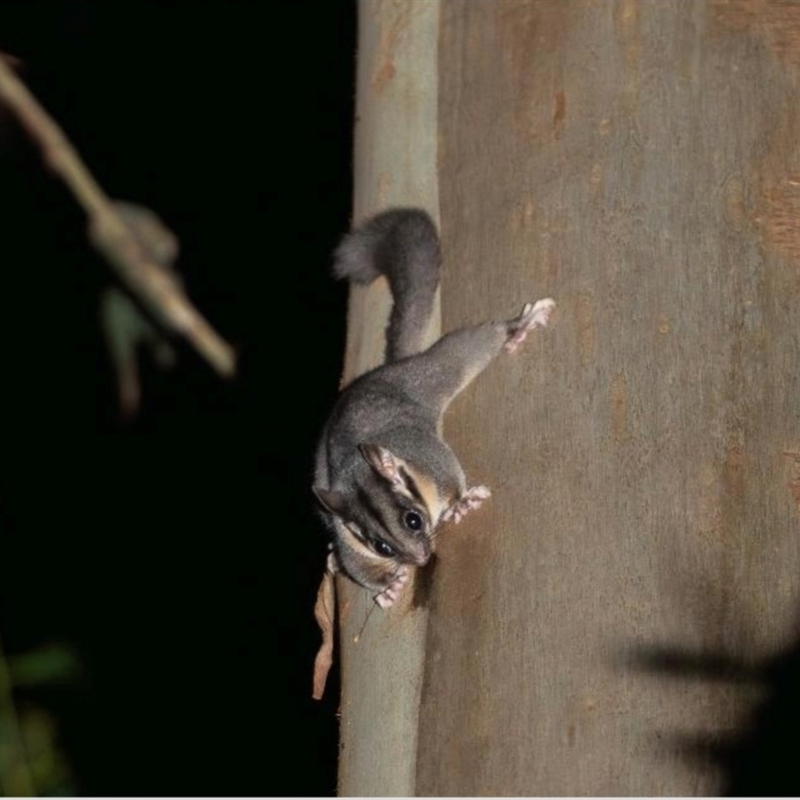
(324, 611)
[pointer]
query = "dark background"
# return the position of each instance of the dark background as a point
(178, 556)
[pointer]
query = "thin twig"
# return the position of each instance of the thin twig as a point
(161, 293)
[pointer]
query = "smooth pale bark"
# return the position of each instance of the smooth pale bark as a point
(639, 162)
(395, 164)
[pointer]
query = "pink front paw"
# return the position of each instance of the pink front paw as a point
(469, 501)
(532, 316)
(387, 597)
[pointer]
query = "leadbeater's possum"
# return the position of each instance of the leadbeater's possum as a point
(384, 477)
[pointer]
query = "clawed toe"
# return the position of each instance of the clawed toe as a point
(471, 499)
(532, 316)
(388, 596)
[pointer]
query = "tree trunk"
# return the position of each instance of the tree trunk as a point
(640, 163)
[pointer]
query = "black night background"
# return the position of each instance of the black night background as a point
(170, 565)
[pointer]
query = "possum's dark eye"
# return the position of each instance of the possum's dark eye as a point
(382, 548)
(412, 520)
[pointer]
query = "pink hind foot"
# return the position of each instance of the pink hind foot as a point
(532, 316)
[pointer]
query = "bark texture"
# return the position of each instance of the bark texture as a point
(640, 163)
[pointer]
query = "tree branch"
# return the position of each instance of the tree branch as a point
(161, 294)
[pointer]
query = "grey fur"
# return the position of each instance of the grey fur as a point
(403, 245)
(396, 410)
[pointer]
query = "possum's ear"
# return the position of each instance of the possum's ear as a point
(331, 501)
(385, 463)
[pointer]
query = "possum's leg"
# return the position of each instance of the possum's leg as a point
(435, 377)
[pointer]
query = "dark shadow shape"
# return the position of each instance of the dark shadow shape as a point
(762, 757)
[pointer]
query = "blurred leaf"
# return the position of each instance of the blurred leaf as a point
(47, 664)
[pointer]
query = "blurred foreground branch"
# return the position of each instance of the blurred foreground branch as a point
(15, 777)
(160, 292)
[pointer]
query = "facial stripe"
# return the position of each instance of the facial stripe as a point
(428, 495)
(413, 488)
(372, 510)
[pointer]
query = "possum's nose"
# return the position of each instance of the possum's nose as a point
(421, 555)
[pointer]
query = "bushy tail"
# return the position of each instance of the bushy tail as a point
(402, 244)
